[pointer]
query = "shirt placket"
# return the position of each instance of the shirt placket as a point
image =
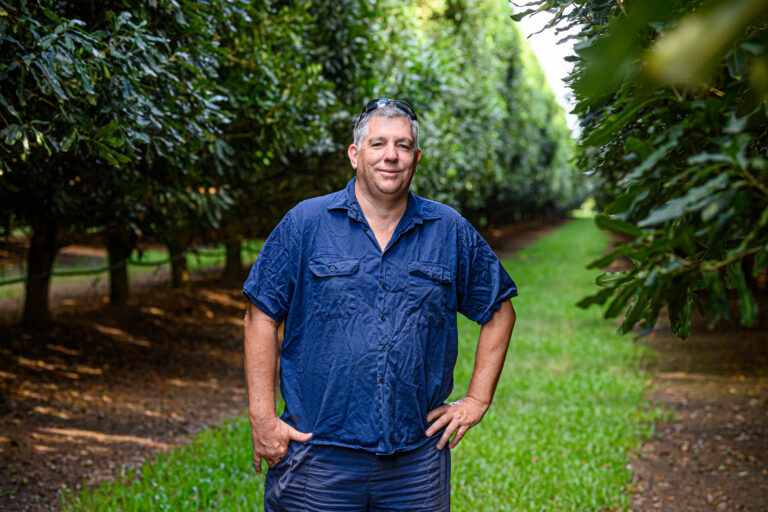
(385, 319)
(383, 330)
(383, 336)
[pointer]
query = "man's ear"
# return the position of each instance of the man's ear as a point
(352, 153)
(418, 156)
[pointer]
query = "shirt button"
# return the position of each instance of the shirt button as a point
(384, 285)
(365, 228)
(381, 380)
(383, 347)
(383, 318)
(333, 269)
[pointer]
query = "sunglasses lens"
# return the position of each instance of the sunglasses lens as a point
(406, 108)
(381, 103)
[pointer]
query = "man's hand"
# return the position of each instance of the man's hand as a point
(458, 416)
(270, 439)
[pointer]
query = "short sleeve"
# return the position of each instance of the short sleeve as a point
(273, 277)
(482, 282)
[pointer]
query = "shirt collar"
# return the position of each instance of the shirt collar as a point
(416, 212)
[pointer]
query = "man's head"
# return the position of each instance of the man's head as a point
(385, 151)
(385, 108)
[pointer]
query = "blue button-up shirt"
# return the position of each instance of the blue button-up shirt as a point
(370, 336)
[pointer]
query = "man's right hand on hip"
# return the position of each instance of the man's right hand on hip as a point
(271, 437)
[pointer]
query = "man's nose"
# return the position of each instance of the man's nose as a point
(390, 152)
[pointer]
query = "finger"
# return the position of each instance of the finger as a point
(447, 435)
(459, 435)
(438, 411)
(274, 460)
(295, 435)
(257, 464)
(438, 424)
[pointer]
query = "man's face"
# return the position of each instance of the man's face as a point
(386, 160)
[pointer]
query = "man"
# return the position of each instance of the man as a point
(368, 281)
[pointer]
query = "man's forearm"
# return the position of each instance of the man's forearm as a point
(491, 353)
(458, 417)
(261, 355)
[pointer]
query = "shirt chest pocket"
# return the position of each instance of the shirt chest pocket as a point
(429, 293)
(334, 281)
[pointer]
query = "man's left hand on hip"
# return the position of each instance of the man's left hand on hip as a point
(458, 416)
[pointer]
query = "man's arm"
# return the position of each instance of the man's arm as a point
(492, 346)
(269, 434)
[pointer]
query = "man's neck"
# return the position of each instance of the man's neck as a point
(382, 215)
(381, 210)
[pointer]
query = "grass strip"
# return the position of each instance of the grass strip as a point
(568, 412)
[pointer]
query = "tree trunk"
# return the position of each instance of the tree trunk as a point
(42, 252)
(233, 267)
(177, 244)
(119, 248)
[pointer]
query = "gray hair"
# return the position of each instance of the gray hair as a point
(361, 128)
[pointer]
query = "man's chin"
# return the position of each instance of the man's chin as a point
(392, 187)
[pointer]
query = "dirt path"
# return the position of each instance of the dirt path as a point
(713, 453)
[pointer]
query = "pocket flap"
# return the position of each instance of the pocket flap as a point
(328, 267)
(431, 271)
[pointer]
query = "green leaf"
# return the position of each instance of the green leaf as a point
(737, 63)
(606, 259)
(638, 307)
(736, 124)
(122, 158)
(703, 158)
(520, 15)
(108, 129)
(747, 304)
(8, 107)
(717, 303)
(13, 133)
(695, 199)
(67, 143)
(679, 311)
(110, 159)
(619, 303)
(616, 121)
(614, 279)
(598, 298)
(617, 225)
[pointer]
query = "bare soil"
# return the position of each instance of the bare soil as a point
(712, 454)
(507, 240)
(106, 387)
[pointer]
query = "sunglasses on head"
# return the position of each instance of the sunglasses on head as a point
(384, 102)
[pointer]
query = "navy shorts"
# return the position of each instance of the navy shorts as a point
(319, 478)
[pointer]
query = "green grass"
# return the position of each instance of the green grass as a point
(201, 259)
(567, 414)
